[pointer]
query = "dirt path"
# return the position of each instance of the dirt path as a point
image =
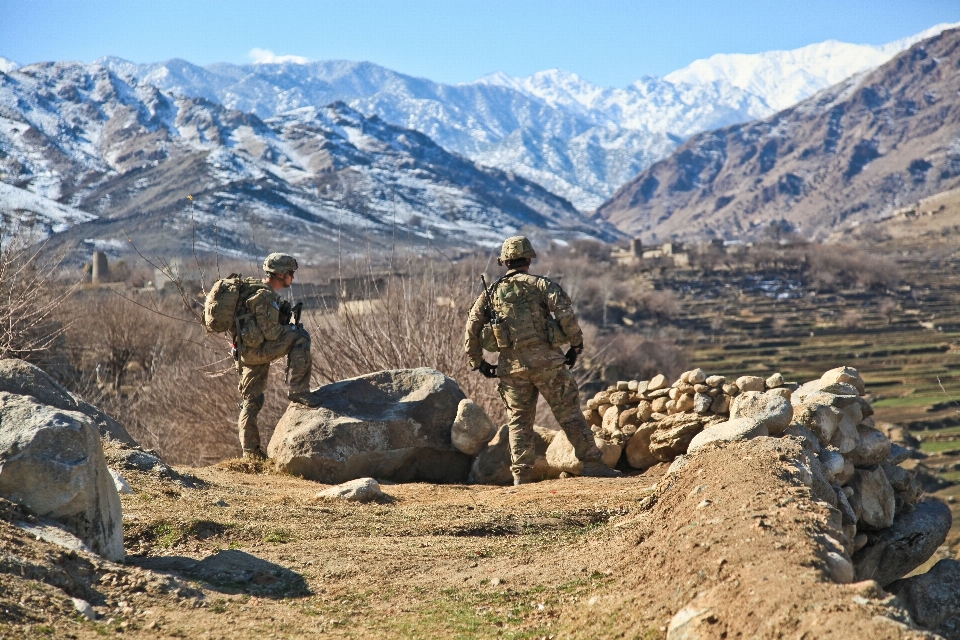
(257, 555)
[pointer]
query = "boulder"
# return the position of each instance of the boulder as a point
(846, 375)
(933, 598)
(772, 410)
(22, 378)
(638, 447)
(393, 425)
(359, 490)
(673, 435)
(492, 465)
(872, 447)
(872, 500)
(52, 462)
(751, 383)
(914, 537)
(734, 430)
(472, 428)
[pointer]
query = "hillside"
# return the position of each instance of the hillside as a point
(850, 154)
(312, 178)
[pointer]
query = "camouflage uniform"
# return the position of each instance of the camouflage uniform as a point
(531, 364)
(262, 340)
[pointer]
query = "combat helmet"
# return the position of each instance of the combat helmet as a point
(279, 264)
(515, 248)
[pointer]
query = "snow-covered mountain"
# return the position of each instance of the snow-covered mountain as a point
(7, 66)
(783, 78)
(127, 155)
(580, 140)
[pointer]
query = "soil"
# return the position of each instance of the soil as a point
(236, 551)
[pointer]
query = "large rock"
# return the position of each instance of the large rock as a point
(561, 456)
(492, 465)
(933, 598)
(914, 537)
(734, 430)
(638, 447)
(673, 435)
(472, 428)
(52, 462)
(392, 425)
(22, 378)
(774, 411)
(872, 500)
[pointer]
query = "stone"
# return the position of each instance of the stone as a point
(846, 475)
(783, 392)
(832, 463)
(713, 392)
(619, 398)
(644, 411)
(846, 438)
(914, 537)
(394, 425)
(562, 457)
(627, 418)
(873, 447)
(359, 490)
(697, 376)
(632, 385)
(492, 465)
(806, 438)
(610, 451)
(472, 428)
(898, 454)
(659, 393)
(659, 405)
(673, 393)
(734, 430)
(673, 435)
(693, 622)
(678, 464)
(933, 598)
(702, 403)
(730, 389)
(839, 568)
(53, 464)
(751, 383)
(84, 608)
(623, 385)
(642, 386)
(593, 417)
(803, 393)
(715, 381)
(721, 404)
(772, 410)
(847, 375)
(685, 402)
(122, 486)
(658, 381)
(844, 507)
(611, 419)
(701, 388)
(866, 408)
(24, 379)
(898, 477)
(602, 410)
(774, 381)
(872, 500)
(822, 420)
(638, 447)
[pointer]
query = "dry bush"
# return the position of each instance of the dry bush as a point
(830, 265)
(417, 321)
(632, 355)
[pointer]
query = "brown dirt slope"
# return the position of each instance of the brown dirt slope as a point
(251, 555)
(850, 153)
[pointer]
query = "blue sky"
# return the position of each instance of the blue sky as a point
(610, 42)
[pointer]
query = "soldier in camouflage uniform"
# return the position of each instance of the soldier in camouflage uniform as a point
(265, 336)
(535, 316)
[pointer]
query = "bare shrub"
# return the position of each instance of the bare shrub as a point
(417, 321)
(839, 265)
(632, 355)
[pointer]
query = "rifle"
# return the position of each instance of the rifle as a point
(496, 322)
(297, 310)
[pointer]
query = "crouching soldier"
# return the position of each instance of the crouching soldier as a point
(265, 335)
(530, 317)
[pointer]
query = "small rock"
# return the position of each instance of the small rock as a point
(678, 463)
(847, 375)
(730, 389)
(783, 392)
(704, 504)
(839, 568)
(715, 381)
(495, 582)
(359, 490)
(638, 447)
(658, 381)
(751, 383)
(872, 448)
(623, 385)
(84, 608)
(734, 430)
(123, 487)
(632, 385)
(832, 463)
(685, 402)
(898, 453)
(721, 404)
(697, 376)
(702, 403)
(565, 475)
(774, 381)
(472, 429)
(872, 499)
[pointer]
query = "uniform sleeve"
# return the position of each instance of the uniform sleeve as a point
(471, 338)
(560, 305)
(266, 311)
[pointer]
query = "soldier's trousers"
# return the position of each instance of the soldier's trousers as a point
(254, 369)
(558, 387)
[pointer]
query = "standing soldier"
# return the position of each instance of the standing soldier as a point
(267, 335)
(530, 317)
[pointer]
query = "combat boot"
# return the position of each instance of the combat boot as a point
(306, 398)
(522, 478)
(599, 470)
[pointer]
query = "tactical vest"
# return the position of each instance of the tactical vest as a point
(521, 307)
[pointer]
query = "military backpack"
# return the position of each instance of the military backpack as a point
(222, 310)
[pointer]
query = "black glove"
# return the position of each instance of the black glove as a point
(286, 312)
(488, 370)
(572, 354)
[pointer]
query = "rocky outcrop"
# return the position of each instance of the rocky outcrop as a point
(393, 425)
(22, 378)
(933, 598)
(52, 462)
